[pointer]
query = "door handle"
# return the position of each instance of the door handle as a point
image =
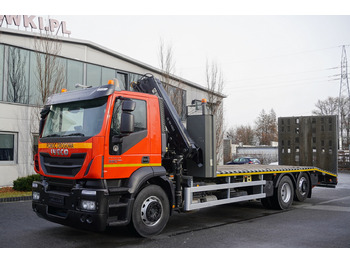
(145, 160)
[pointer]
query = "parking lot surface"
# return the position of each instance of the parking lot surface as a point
(320, 222)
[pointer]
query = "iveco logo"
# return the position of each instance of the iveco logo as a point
(59, 152)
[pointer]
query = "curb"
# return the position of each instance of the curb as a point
(15, 199)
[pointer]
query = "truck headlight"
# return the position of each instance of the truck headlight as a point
(36, 195)
(88, 205)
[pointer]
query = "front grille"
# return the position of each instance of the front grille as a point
(62, 166)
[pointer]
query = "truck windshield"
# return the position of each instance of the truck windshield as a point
(83, 118)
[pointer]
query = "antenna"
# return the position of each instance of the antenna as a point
(344, 99)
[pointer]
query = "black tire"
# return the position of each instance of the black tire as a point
(284, 194)
(151, 211)
(302, 187)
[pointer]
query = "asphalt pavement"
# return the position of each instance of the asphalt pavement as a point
(320, 222)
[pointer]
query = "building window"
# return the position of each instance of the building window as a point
(134, 77)
(178, 99)
(18, 73)
(93, 75)
(123, 79)
(47, 75)
(75, 72)
(34, 95)
(8, 144)
(107, 74)
(1, 70)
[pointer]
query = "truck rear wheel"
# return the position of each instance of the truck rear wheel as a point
(151, 211)
(284, 194)
(302, 187)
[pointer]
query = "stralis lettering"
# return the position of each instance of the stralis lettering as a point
(34, 22)
(60, 145)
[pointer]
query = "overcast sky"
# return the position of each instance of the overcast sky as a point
(283, 62)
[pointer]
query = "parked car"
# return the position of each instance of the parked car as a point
(244, 160)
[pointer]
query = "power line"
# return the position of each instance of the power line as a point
(282, 55)
(279, 75)
(265, 58)
(281, 82)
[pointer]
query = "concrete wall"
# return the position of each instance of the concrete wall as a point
(21, 121)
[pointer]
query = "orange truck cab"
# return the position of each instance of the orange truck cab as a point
(97, 148)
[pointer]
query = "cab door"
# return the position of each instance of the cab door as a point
(127, 152)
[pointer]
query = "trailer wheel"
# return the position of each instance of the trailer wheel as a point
(151, 211)
(302, 187)
(284, 194)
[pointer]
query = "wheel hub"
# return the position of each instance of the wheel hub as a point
(151, 211)
(286, 192)
(302, 186)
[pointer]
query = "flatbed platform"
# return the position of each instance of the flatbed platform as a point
(234, 170)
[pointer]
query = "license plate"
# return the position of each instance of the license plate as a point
(56, 199)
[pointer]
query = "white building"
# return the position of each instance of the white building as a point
(83, 62)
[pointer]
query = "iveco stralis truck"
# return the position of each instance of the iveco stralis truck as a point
(110, 157)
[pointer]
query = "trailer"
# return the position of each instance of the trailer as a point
(251, 182)
(110, 157)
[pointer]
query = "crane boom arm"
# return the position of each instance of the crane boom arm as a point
(178, 137)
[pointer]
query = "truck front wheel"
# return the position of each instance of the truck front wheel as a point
(151, 211)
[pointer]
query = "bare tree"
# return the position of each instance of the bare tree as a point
(326, 107)
(166, 62)
(266, 127)
(17, 78)
(50, 71)
(336, 106)
(215, 87)
(246, 135)
(172, 87)
(231, 134)
(50, 76)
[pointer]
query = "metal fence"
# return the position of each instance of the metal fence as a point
(343, 159)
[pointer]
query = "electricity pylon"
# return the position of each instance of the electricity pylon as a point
(344, 98)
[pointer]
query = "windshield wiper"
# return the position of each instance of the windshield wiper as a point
(52, 135)
(75, 134)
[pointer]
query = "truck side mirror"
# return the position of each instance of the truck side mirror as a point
(127, 118)
(128, 106)
(126, 123)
